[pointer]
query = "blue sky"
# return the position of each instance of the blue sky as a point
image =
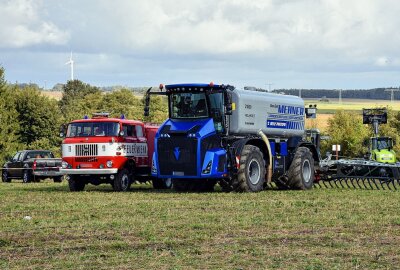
(290, 44)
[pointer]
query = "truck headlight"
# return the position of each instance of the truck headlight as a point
(64, 165)
(153, 168)
(109, 163)
(208, 168)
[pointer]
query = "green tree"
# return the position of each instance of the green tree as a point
(122, 102)
(392, 129)
(346, 129)
(39, 118)
(9, 126)
(74, 92)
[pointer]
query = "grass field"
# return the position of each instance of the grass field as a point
(149, 229)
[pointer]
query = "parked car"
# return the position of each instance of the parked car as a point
(32, 165)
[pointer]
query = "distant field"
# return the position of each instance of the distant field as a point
(352, 104)
(150, 229)
(53, 94)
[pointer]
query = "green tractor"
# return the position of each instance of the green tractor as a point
(381, 148)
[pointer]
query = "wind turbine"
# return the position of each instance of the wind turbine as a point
(71, 63)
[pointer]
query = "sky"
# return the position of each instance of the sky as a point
(333, 44)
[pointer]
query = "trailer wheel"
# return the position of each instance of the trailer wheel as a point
(301, 171)
(251, 175)
(162, 183)
(4, 176)
(26, 176)
(122, 181)
(75, 185)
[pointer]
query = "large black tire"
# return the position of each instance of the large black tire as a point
(301, 172)
(122, 181)
(4, 176)
(27, 176)
(162, 183)
(75, 185)
(58, 179)
(251, 174)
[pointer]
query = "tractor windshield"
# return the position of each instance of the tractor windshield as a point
(188, 105)
(381, 143)
(88, 129)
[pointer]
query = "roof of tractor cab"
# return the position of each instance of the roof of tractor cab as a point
(106, 119)
(195, 87)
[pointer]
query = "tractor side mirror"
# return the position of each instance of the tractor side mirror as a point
(147, 105)
(63, 127)
(146, 111)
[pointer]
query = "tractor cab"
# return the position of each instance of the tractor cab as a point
(381, 149)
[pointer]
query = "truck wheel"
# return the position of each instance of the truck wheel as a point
(162, 183)
(58, 179)
(27, 176)
(122, 181)
(75, 185)
(251, 175)
(4, 176)
(183, 185)
(301, 171)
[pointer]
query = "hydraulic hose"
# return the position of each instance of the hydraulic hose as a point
(269, 167)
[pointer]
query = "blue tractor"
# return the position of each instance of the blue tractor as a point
(241, 139)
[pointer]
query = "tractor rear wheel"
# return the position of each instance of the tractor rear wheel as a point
(251, 174)
(301, 172)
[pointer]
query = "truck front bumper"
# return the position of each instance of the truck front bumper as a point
(89, 171)
(48, 173)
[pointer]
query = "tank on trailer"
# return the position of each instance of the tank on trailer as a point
(275, 114)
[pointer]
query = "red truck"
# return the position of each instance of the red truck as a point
(108, 150)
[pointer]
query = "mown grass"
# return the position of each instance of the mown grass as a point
(150, 229)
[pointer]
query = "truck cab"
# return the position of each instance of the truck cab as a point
(100, 149)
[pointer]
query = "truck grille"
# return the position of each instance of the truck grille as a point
(177, 155)
(82, 150)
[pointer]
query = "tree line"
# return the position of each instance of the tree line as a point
(377, 93)
(30, 120)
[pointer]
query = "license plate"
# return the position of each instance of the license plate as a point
(86, 165)
(178, 173)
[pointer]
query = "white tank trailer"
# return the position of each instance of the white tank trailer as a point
(275, 114)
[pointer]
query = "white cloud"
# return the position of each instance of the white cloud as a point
(22, 26)
(236, 40)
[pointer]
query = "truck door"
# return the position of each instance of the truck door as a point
(19, 164)
(13, 165)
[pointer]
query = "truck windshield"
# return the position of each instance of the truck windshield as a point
(88, 129)
(188, 105)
